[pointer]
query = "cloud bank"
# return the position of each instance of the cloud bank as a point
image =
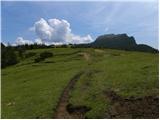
(21, 41)
(54, 31)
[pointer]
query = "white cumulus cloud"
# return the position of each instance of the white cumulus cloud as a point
(38, 41)
(57, 31)
(21, 41)
(75, 39)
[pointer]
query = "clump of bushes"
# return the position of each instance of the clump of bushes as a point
(30, 54)
(38, 59)
(46, 54)
(43, 56)
(8, 56)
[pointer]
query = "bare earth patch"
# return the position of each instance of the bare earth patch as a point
(85, 55)
(131, 108)
(65, 110)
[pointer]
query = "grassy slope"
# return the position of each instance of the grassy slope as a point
(32, 90)
(126, 73)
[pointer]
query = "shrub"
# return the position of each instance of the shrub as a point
(46, 54)
(43, 56)
(30, 54)
(9, 57)
(38, 59)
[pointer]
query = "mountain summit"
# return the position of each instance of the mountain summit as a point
(121, 42)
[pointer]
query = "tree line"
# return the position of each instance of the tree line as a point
(11, 55)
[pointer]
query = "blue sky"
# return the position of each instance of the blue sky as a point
(138, 19)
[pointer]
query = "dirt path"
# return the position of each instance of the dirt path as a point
(86, 55)
(62, 112)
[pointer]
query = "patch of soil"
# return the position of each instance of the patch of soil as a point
(85, 55)
(62, 111)
(131, 108)
(77, 109)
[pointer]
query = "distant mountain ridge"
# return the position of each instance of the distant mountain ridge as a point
(121, 42)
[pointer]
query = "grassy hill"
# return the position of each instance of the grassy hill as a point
(92, 83)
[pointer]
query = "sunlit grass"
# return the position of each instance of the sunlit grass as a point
(32, 90)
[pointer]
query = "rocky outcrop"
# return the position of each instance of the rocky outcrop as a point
(121, 42)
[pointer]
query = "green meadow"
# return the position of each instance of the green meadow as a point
(33, 90)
